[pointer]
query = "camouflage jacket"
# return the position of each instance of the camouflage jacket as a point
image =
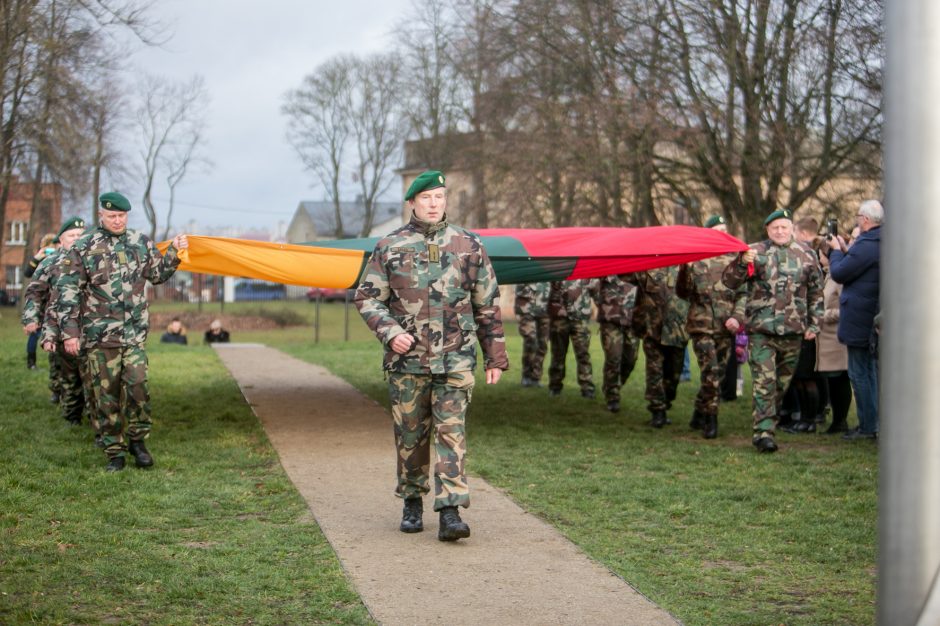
(784, 293)
(660, 313)
(36, 297)
(102, 296)
(711, 303)
(434, 282)
(532, 299)
(571, 299)
(616, 298)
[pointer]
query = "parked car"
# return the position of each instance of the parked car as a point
(330, 294)
(256, 290)
(6, 298)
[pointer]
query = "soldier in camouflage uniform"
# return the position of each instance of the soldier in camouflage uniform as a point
(39, 301)
(710, 323)
(616, 297)
(784, 306)
(660, 319)
(569, 309)
(48, 245)
(429, 294)
(531, 308)
(103, 308)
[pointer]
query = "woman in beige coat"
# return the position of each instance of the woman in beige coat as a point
(832, 358)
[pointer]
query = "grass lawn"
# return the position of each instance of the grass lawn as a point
(215, 533)
(710, 530)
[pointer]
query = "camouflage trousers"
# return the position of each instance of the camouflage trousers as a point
(773, 361)
(117, 380)
(712, 352)
(422, 403)
(71, 385)
(578, 333)
(55, 375)
(88, 391)
(621, 349)
(663, 368)
(534, 331)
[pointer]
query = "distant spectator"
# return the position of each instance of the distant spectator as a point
(857, 269)
(175, 333)
(832, 358)
(216, 334)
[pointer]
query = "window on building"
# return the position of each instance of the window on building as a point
(13, 277)
(18, 233)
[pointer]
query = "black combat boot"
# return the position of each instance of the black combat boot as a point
(764, 442)
(613, 406)
(710, 428)
(452, 527)
(698, 420)
(141, 455)
(411, 516)
(115, 464)
(659, 419)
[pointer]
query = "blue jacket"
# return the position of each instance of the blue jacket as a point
(857, 271)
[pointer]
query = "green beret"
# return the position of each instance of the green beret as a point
(713, 221)
(113, 201)
(431, 179)
(69, 224)
(779, 214)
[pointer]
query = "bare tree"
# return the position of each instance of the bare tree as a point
(106, 119)
(431, 99)
(319, 126)
(180, 162)
(774, 98)
(171, 119)
(17, 72)
(49, 49)
(480, 55)
(378, 128)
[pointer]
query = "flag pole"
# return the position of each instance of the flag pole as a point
(909, 484)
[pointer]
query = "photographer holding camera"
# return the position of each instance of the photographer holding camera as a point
(857, 270)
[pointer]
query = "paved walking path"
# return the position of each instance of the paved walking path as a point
(336, 446)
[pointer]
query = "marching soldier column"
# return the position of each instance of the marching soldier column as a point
(103, 311)
(616, 297)
(712, 327)
(38, 312)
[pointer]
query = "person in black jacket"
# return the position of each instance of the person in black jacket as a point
(175, 333)
(857, 270)
(216, 334)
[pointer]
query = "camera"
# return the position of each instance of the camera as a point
(49, 250)
(832, 227)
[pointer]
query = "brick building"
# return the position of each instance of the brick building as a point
(16, 227)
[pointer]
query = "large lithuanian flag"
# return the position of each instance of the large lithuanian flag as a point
(519, 255)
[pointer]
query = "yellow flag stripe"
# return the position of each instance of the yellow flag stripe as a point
(290, 264)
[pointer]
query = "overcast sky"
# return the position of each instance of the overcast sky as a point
(250, 53)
